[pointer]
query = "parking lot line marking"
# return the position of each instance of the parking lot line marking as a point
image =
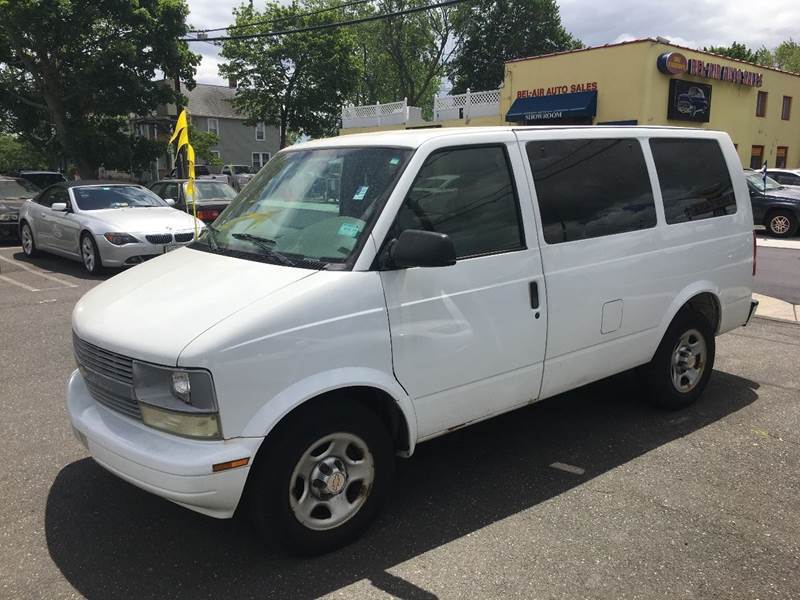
(25, 267)
(22, 285)
(568, 468)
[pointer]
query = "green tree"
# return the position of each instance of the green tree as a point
(18, 154)
(739, 51)
(80, 67)
(787, 56)
(296, 82)
(490, 32)
(405, 56)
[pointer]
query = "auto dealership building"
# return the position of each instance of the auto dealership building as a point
(641, 82)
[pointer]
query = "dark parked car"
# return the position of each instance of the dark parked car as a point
(212, 196)
(41, 179)
(13, 192)
(775, 206)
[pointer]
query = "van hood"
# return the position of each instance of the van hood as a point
(154, 310)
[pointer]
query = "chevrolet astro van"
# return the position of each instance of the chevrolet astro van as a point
(369, 292)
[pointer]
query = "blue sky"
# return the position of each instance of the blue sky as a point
(692, 23)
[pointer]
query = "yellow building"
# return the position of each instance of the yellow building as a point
(649, 82)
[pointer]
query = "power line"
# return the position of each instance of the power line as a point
(288, 18)
(398, 13)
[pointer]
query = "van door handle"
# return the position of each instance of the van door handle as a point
(534, 289)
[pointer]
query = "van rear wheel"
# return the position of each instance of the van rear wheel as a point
(321, 478)
(683, 363)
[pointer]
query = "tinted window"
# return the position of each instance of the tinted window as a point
(694, 179)
(468, 194)
(591, 188)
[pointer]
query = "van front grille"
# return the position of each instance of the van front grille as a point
(108, 377)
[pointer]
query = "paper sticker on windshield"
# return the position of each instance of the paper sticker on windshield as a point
(360, 193)
(350, 229)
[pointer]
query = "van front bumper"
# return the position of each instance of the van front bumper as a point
(169, 466)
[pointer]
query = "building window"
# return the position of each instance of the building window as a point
(780, 157)
(261, 132)
(761, 104)
(786, 108)
(213, 126)
(260, 159)
(756, 157)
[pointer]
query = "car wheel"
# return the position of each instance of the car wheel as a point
(683, 363)
(28, 243)
(321, 477)
(90, 255)
(781, 223)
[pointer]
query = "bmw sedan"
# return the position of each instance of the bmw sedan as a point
(103, 224)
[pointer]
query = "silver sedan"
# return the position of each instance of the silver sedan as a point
(103, 224)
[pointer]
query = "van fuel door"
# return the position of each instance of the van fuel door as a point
(612, 316)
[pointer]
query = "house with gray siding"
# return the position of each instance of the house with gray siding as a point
(210, 109)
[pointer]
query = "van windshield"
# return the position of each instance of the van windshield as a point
(308, 208)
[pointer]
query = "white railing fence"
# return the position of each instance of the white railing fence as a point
(375, 115)
(465, 106)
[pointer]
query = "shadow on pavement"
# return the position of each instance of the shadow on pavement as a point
(112, 540)
(51, 263)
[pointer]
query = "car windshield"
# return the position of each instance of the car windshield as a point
(212, 190)
(17, 188)
(307, 207)
(757, 182)
(115, 196)
(239, 169)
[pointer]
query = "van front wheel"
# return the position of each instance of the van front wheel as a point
(322, 478)
(682, 365)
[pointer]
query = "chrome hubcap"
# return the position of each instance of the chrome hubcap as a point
(88, 253)
(688, 361)
(779, 224)
(27, 240)
(331, 481)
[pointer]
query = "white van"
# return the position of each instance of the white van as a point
(369, 292)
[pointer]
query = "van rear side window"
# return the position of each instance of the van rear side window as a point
(694, 179)
(591, 187)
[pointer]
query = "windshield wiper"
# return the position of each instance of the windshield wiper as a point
(266, 245)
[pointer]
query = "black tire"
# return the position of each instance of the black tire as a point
(95, 265)
(781, 223)
(25, 234)
(657, 376)
(271, 479)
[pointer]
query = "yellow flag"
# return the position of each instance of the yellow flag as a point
(181, 125)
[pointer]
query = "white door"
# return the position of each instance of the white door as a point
(64, 226)
(607, 287)
(468, 340)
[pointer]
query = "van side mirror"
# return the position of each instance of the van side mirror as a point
(418, 248)
(59, 206)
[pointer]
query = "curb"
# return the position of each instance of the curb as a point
(776, 309)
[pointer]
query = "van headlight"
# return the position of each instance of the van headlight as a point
(179, 401)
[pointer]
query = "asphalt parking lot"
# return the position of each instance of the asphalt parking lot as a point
(588, 495)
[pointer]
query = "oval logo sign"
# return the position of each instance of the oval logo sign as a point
(672, 63)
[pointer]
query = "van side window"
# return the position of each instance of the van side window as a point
(468, 194)
(590, 188)
(694, 179)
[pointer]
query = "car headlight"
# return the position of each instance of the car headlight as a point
(120, 239)
(179, 401)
